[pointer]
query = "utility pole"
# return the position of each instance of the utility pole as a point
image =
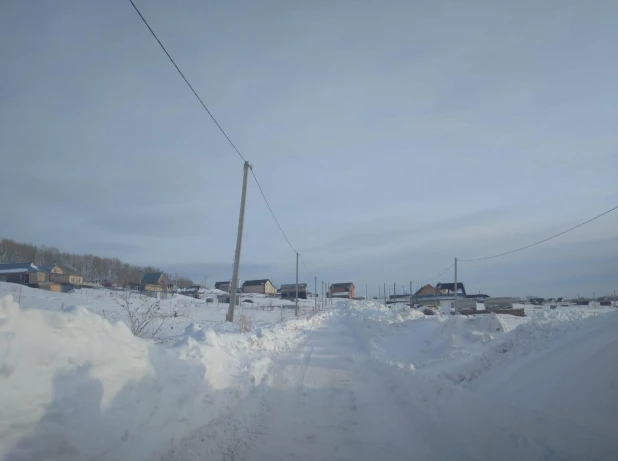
(410, 293)
(455, 300)
(379, 292)
(315, 294)
(296, 308)
(322, 297)
(394, 292)
(384, 293)
(366, 295)
(241, 223)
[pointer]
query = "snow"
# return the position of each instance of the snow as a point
(75, 386)
(359, 381)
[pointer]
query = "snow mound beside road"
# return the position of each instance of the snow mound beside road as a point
(74, 386)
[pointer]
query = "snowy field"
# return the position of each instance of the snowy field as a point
(357, 381)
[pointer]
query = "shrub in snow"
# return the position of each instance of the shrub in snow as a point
(245, 323)
(146, 317)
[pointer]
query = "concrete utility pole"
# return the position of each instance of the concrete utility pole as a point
(410, 293)
(455, 300)
(366, 295)
(241, 223)
(322, 296)
(384, 293)
(315, 294)
(379, 292)
(394, 293)
(296, 309)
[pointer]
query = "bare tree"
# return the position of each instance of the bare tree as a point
(146, 316)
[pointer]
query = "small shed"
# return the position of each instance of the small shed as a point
(262, 286)
(288, 291)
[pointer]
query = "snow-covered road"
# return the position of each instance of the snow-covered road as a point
(326, 401)
(329, 399)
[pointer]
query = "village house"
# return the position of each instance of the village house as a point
(342, 290)
(56, 275)
(288, 291)
(263, 286)
(224, 286)
(23, 273)
(50, 278)
(153, 281)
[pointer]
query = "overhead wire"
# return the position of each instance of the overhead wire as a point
(218, 126)
(540, 241)
(438, 275)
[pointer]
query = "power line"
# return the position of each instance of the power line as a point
(305, 266)
(438, 275)
(541, 241)
(187, 81)
(271, 211)
(218, 126)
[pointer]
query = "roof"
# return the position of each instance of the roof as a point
(342, 285)
(423, 287)
(17, 268)
(218, 284)
(152, 277)
(292, 286)
(251, 283)
(48, 268)
(451, 287)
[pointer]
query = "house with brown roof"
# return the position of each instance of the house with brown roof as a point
(342, 290)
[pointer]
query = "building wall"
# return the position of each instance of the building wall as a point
(57, 270)
(66, 278)
(267, 289)
(51, 286)
(35, 278)
(351, 293)
(152, 287)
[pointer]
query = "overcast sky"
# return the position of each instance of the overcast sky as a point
(390, 137)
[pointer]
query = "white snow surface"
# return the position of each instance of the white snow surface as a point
(358, 381)
(74, 386)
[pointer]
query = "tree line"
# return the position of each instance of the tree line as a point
(92, 268)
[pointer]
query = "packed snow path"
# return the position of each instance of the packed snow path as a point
(325, 401)
(330, 400)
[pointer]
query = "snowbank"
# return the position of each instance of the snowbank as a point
(546, 386)
(74, 386)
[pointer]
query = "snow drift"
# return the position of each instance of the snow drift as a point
(74, 386)
(545, 389)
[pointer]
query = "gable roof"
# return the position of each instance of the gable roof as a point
(423, 287)
(252, 283)
(48, 269)
(17, 268)
(342, 285)
(451, 287)
(152, 277)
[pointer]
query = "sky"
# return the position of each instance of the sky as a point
(389, 137)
